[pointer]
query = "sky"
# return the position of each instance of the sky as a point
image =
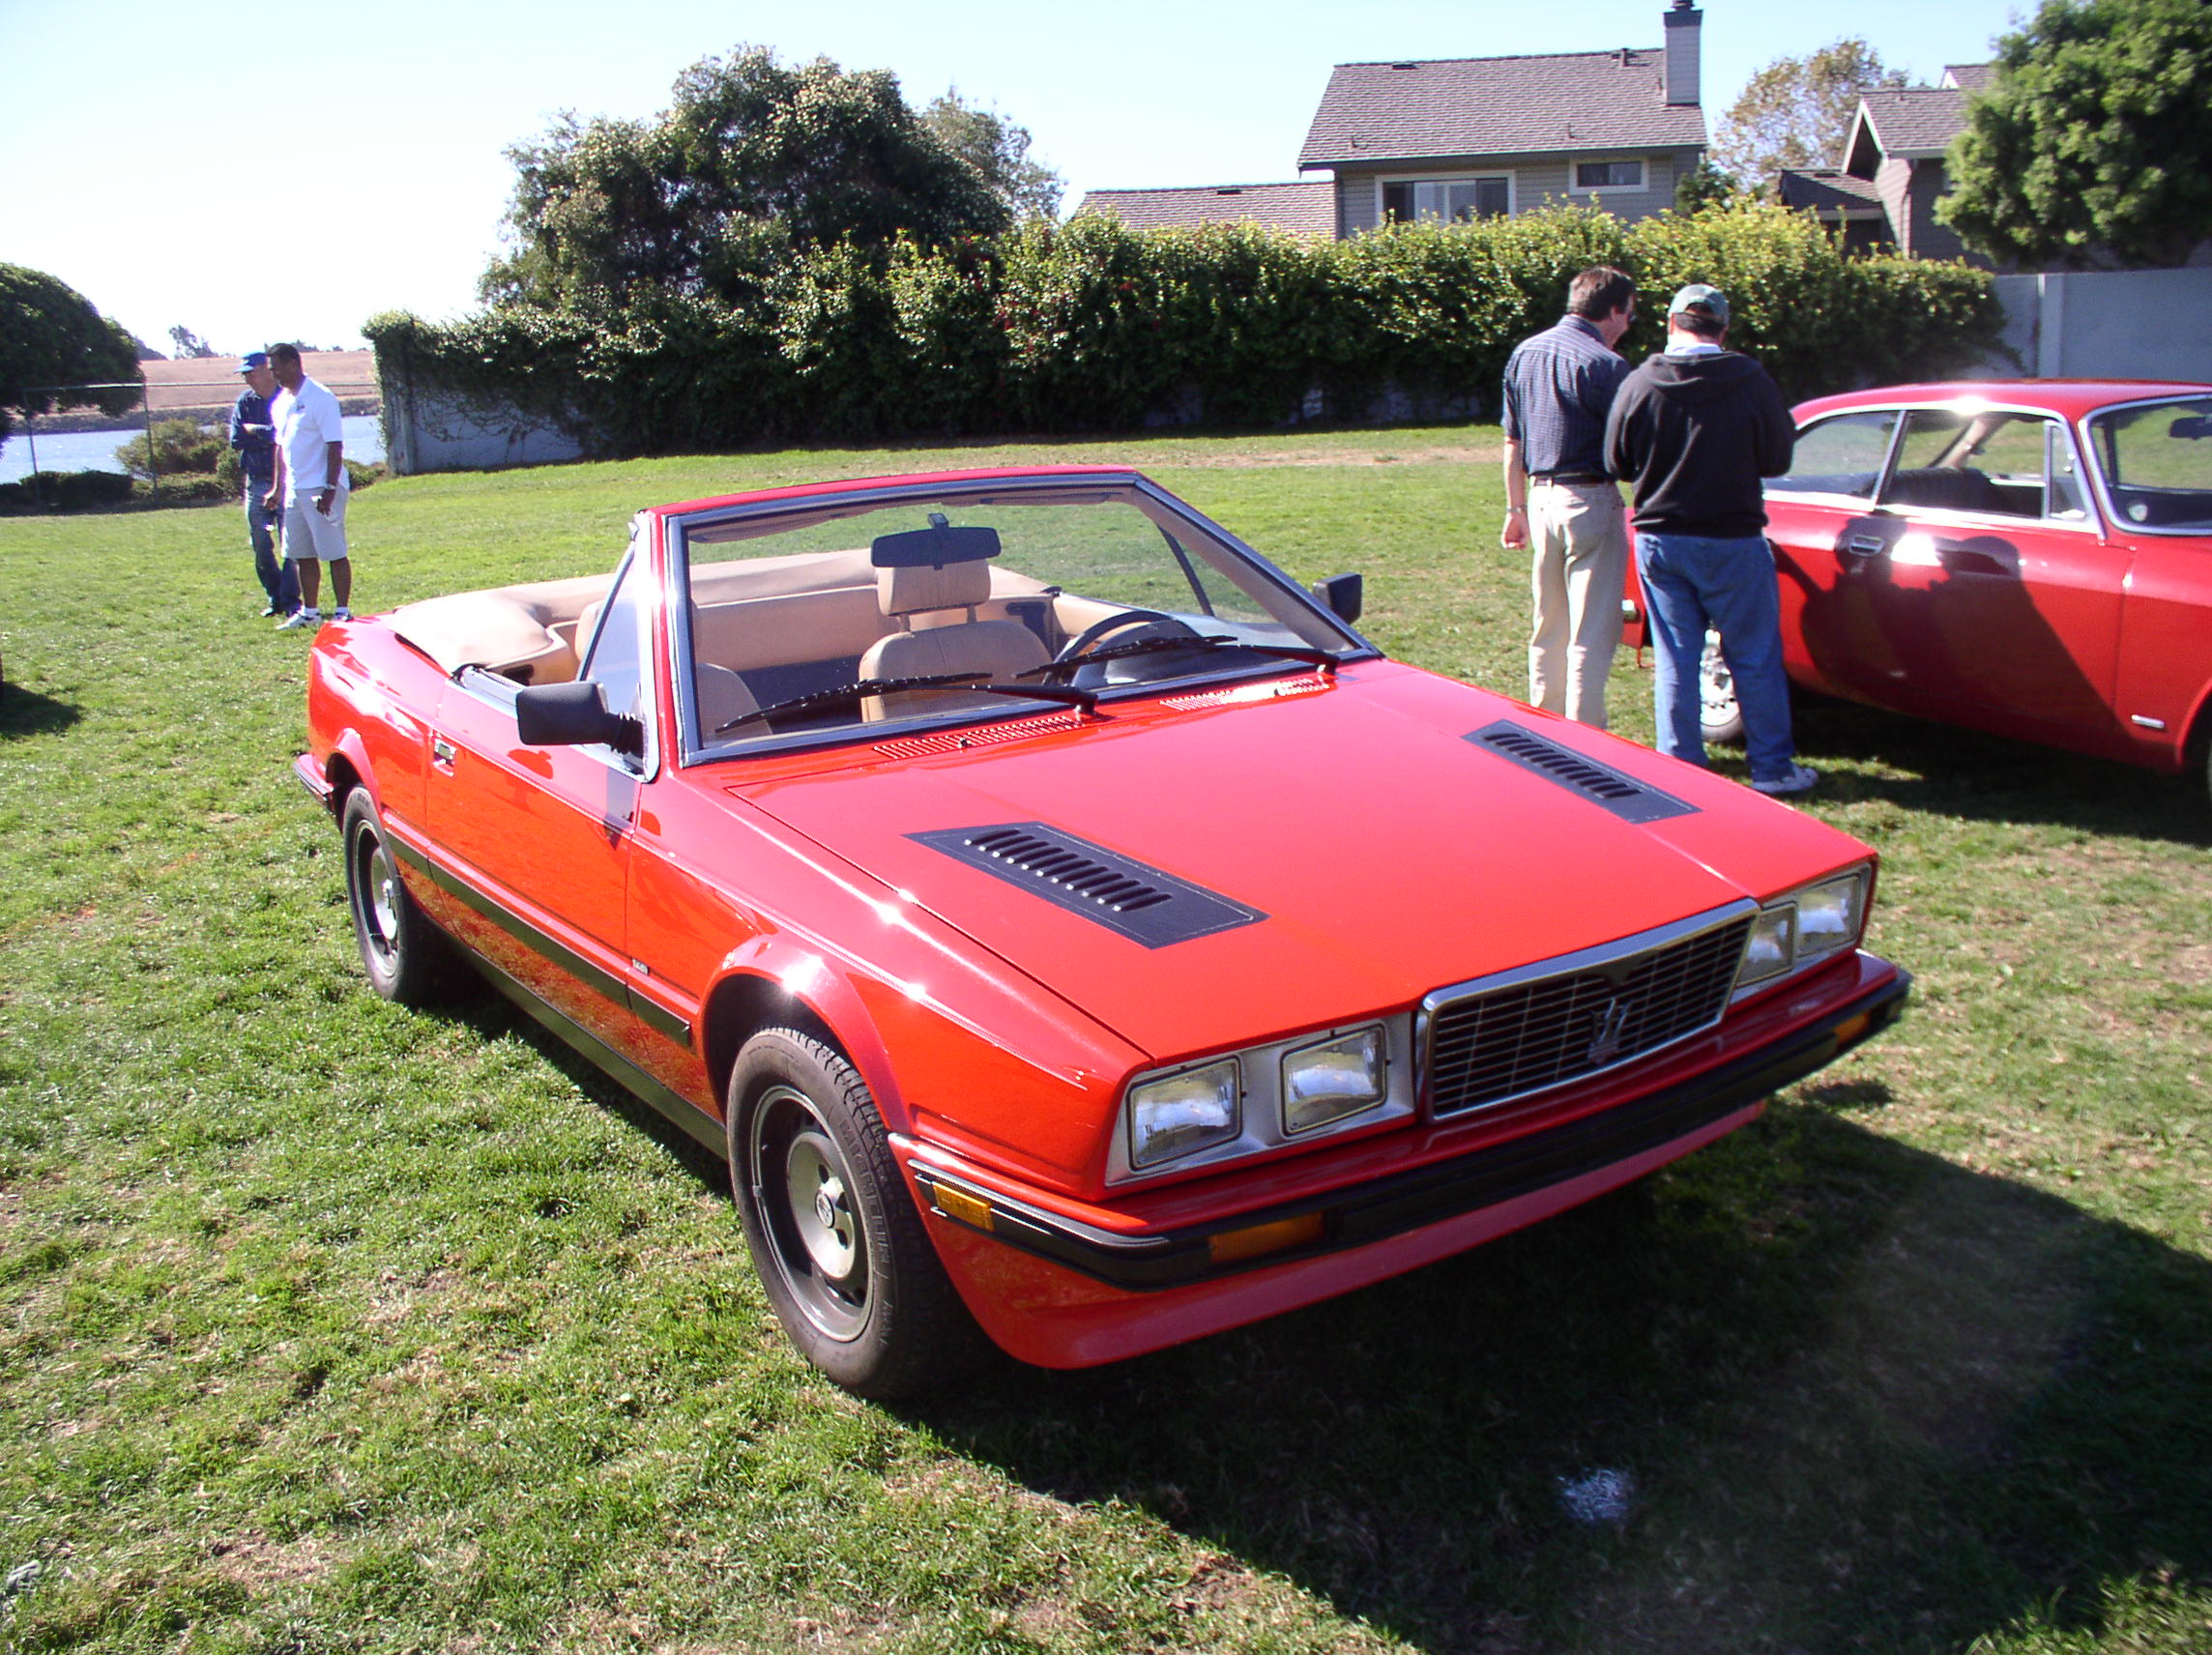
(252, 178)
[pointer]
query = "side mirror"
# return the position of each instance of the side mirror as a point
(572, 715)
(1342, 596)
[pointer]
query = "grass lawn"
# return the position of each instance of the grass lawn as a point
(326, 1326)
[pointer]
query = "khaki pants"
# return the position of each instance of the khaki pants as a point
(1577, 541)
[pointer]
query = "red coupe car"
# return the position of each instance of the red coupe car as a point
(1069, 929)
(2033, 559)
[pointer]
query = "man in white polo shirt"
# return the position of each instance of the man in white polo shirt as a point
(309, 494)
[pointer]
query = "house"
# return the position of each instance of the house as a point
(1304, 208)
(1464, 138)
(1893, 162)
(1458, 139)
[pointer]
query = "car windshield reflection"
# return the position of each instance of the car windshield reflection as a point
(839, 619)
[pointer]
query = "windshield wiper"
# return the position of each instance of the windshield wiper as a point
(1204, 639)
(863, 688)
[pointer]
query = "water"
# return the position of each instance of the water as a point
(95, 451)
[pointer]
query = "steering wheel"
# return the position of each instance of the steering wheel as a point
(1098, 632)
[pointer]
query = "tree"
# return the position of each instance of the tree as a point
(2089, 145)
(53, 340)
(189, 343)
(999, 151)
(1703, 187)
(1797, 111)
(752, 161)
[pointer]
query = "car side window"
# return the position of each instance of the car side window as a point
(1842, 454)
(2066, 499)
(616, 662)
(1990, 461)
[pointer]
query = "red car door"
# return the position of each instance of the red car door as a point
(1821, 521)
(1978, 588)
(540, 837)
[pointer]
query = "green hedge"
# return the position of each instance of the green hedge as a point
(1091, 326)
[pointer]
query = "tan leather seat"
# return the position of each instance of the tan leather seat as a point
(722, 697)
(999, 647)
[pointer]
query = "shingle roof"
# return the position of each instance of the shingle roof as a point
(1918, 121)
(1304, 208)
(1498, 105)
(1968, 76)
(1828, 187)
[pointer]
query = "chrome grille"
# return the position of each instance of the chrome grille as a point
(1504, 1037)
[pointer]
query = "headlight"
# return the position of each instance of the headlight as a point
(1182, 1113)
(1831, 914)
(1334, 1080)
(1806, 925)
(1771, 947)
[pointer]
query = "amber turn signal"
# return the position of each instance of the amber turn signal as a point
(1233, 1245)
(958, 1203)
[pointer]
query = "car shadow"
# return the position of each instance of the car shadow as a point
(1853, 1396)
(1958, 773)
(27, 713)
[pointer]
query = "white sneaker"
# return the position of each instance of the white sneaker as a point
(1796, 779)
(299, 617)
(342, 612)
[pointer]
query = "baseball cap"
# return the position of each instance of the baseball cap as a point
(1712, 301)
(252, 360)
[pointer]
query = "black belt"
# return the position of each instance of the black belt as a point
(1567, 476)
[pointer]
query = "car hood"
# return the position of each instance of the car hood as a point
(1383, 853)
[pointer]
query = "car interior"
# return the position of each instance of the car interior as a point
(926, 599)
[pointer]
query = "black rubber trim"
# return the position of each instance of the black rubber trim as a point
(603, 983)
(678, 1110)
(1393, 1204)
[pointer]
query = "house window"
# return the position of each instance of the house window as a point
(1609, 174)
(1447, 200)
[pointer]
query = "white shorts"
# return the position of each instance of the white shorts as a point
(308, 536)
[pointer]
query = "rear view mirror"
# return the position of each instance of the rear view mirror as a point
(1342, 596)
(572, 715)
(2190, 428)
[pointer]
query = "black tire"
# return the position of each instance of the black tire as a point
(1719, 716)
(408, 958)
(834, 1234)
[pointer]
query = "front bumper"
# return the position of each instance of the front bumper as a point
(1058, 1291)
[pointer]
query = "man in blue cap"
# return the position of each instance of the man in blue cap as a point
(1695, 429)
(254, 438)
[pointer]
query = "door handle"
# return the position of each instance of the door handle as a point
(1866, 545)
(442, 752)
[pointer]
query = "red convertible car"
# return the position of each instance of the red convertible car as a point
(1068, 928)
(2033, 559)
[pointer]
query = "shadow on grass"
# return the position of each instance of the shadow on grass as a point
(1978, 777)
(1868, 1399)
(27, 713)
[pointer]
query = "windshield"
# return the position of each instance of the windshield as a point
(838, 616)
(2157, 461)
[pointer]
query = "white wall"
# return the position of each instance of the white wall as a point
(2109, 324)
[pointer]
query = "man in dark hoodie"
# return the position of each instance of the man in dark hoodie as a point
(1695, 429)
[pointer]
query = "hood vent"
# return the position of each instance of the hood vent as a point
(1142, 903)
(1628, 799)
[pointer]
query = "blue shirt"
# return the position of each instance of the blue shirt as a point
(1560, 386)
(256, 449)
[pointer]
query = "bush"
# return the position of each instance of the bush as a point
(177, 446)
(87, 490)
(1090, 325)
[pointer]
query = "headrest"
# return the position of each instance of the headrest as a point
(910, 588)
(935, 546)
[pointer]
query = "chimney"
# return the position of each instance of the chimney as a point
(1684, 22)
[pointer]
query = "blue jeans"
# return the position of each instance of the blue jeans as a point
(1692, 582)
(278, 577)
